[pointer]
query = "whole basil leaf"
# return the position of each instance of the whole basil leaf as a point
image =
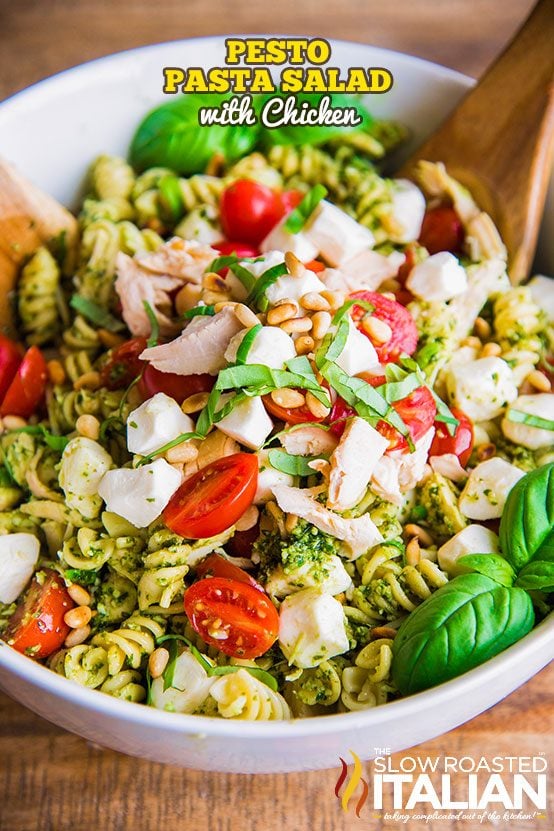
(464, 623)
(491, 565)
(314, 134)
(539, 574)
(527, 524)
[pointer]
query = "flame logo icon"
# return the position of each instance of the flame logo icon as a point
(351, 785)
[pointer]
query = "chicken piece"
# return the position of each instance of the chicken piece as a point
(353, 463)
(398, 472)
(358, 534)
(200, 348)
(309, 441)
(448, 465)
(366, 270)
(134, 286)
(186, 260)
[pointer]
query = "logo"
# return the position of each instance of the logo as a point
(351, 784)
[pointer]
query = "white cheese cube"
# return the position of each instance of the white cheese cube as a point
(268, 477)
(330, 576)
(542, 292)
(191, 685)
(481, 388)
(474, 539)
(293, 288)
(155, 423)
(139, 495)
(439, 277)
(256, 269)
(281, 239)
(271, 347)
(408, 210)
(311, 628)
(359, 354)
(487, 489)
(336, 236)
(248, 423)
(18, 558)
(84, 463)
(541, 405)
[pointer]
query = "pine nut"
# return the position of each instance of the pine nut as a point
(187, 298)
(214, 282)
(315, 406)
(314, 302)
(539, 381)
(294, 265)
(383, 632)
(182, 453)
(304, 344)
(78, 617)
(77, 636)
(413, 530)
(334, 298)
(390, 295)
(491, 350)
(79, 594)
(248, 519)
(225, 304)
(413, 554)
(210, 298)
(482, 328)
(90, 380)
(291, 521)
(284, 311)
(472, 341)
(246, 316)
(56, 372)
(158, 661)
(320, 324)
(389, 286)
(196, 402)
(88, 426)
(288, 398)
(486, 451)
(13, 422)
(296, 324)
(378, 330)
(110, 339)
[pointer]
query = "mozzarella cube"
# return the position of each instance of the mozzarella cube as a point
(330, 577)
(481, 388)
(487, 489)
(359, 354)
(18, 558)
(439, 277)
(248, 423)
(541, 405)
(336, 236)
(293, 288)
(268, 477)
(139, 495)
(311, 628)
(190, 688)
(271, 347)
(542, 292)
(84, 463)
(408, 210)
(474, 539)
(155, 423)
(281, 239)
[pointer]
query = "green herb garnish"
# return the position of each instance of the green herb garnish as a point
(96, 314)
(303, 211)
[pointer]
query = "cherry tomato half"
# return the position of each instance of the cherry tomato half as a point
(417, 411)
(441, 230)
(238, 619)
(26, 390)
(291, 415)
(240, 249)
(461, 443)
(178, 387)
(290, 199)
(37, 627)
(249, 210)
(217, 566)
(124, 364)
(212, 500)
(10, 359)
(242, 542)
(404, 331)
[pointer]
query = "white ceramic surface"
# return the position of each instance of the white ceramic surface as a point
(51, 132)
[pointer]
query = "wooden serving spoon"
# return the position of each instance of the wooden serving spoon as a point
(499, 141)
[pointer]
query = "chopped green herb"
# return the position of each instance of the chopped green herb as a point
(520, 417)
(303, 211)
(246, 343)
(95, 313)
(198, 311)
(154, 325)
(257, 296)
(291, 464)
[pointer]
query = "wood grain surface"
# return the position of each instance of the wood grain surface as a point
(53, 781)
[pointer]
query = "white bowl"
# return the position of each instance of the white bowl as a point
(51, 132)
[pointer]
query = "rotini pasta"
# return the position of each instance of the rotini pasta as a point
(39, 298)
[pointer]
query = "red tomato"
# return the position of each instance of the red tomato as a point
(238, 619)
(212, 500)
(37, 627)
(291, 415)
(241, 543)
(417, 411)
(461, 443)
(178, 387)
(217, 566)
(340, 411)
(404, 330)
(26, 391)
(290, 199)
(249, 210)
(124, 364)
(441, 230)
(403, 295)
(315, 265)
(10, 359)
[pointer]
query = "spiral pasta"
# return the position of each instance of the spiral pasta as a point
(241, 696)
(85, 664)
(128, 645)
(519, 326)
(111, 176)
(126, 685)
(388, 596)
(39, 297)
(87, 550)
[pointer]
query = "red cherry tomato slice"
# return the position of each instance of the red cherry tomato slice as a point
(212, 500)
(249, 210)
(242, 542)
(240, 249)
(417, 411)
(217, 566)
(404, 331)
(178, 387)
(442, 230)
(315, 265)
(124, 364)
(37, 627)
(10, 359)
(461, 443)
(26, 390)
(238, 619)
(290, 199)
(291, 415)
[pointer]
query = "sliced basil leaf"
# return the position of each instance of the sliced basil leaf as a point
(154, 325)
(246, 343)
(246, 277)
(263, 378)
(257, 295)
(303, 211)
(198, 311)
(291, 464)
(397, 390)
(520, 417)
(95, 313)
(169, 672)
(227, 260)
(491, 565)
(164, 448)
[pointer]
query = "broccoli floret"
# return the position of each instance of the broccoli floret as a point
(438, 496)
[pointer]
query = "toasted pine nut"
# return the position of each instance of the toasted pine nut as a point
(182, 453)
(79, 594)
(383, 632)
(248, 519)
(187, 298)
(56, 372)
(482, 328)
(283, 311)
(491, 350)
(539, 381)
(486, 451)
(77, 636)
(158, 661)
(196, 402)
(90, 380)
(472, 341)
(389, 286)
(314, 302)
(110, 339)
(294, 265)
(304, 344)
(210, 298)
(378, 330)
(88, 425)
(389, 295)
(245, 315)
(320, 324)
(315, 406)
(291, 521)
(225, 304)
(413, 553)
(296, 324)
(77, 617)
(413, 530)
(13, 422)
(334, 298)
(288, 398)
(214, 282)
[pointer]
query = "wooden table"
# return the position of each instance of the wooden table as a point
(53, 781)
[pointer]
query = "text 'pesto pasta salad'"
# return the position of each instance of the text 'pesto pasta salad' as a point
(281, 442)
